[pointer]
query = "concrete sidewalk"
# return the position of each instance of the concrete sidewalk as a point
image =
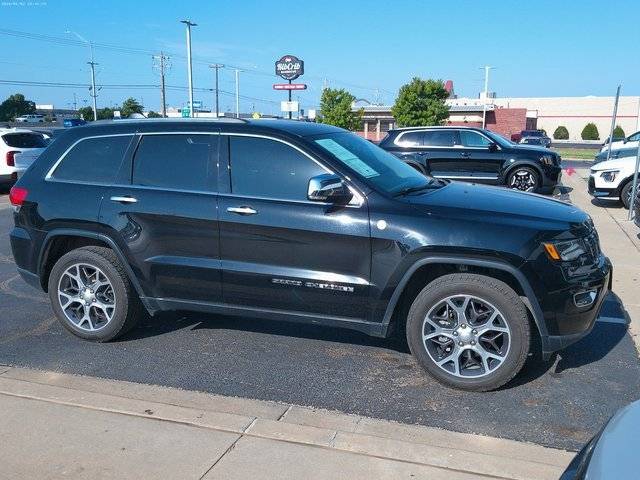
(56, 425)
(620, 241)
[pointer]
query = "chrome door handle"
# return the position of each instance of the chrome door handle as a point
(465, 154)
(242, 210)
(124, 199)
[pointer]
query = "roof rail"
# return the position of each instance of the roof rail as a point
(173, 119)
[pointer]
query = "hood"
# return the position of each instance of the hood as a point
(500, 205)
(615, 163)
(534, 148)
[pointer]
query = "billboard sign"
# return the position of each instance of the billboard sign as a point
(289, 67)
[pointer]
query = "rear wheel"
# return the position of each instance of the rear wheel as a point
(469, 331)
(525, 179)
(92, 295)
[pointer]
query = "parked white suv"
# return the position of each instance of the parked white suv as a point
(629, 142)
(613, 179)
(18, 141)
(31, 118)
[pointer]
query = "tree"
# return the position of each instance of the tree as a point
(561, 133)
(86, 113)
(335, 109)
(618, 132)
(105, 113)
(590, 132)
(153, 114)
(14, 106)
(420, 103)
(129, 106)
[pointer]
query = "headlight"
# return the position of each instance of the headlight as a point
(547, 159)
(610, 175)
(565, 251)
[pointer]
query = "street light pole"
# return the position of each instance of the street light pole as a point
(613, 121)
(92, 64)
(189, 24)
(217, 66)
(486, 94)
(237, 93)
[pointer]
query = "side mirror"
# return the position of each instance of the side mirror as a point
(493, 147)
(624, 140)
(328, 188)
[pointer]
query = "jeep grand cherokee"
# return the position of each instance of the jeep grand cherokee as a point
(302, 222)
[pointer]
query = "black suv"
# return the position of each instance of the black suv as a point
(302, 222)
(475, 155)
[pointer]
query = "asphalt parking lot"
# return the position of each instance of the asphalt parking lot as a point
(561, 403)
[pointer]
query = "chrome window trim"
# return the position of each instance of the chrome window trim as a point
(357, 200)
(49, 176)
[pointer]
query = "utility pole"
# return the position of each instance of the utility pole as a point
(92, 64)
(162, 65)
(189, 24)
(217, 66)
(238, 93)
(75, 102)
(613, 121)
(486, 94)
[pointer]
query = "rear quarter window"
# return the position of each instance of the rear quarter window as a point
(94, 160)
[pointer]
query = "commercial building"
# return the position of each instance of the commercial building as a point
(509, 116)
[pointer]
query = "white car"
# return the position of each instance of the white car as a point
(629, 142)
(31, 118)
(613, 179)
(15, 142)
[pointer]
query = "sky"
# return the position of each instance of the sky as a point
(537, 48)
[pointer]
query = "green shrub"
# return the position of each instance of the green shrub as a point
(590, 132)
(561, 133)
(618, 132)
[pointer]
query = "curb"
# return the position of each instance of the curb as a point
(483, 456)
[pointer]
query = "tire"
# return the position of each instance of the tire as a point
(119, 305)
(473, 374)
(525, 179)
(625, 194)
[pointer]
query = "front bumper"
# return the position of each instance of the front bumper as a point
(567, 320)
(601, 192)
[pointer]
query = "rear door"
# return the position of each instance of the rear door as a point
(442, 152)
(482, 163)
(279, 250)
(163, 213)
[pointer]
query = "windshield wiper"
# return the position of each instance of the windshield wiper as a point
(426, 186)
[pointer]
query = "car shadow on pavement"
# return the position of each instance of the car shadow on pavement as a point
(167, 322)
(598, 202)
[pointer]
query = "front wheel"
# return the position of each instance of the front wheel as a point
(625, 194)
(469, 331)
(525, 179)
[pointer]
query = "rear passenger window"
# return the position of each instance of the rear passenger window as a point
(183, 162)
(93, 160)
(440, 138)
(266, 168)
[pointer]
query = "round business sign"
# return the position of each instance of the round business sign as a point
(289, 67)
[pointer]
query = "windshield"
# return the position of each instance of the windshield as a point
(499, 139)
(532, 133)
(383, 170)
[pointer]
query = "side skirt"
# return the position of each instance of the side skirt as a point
(172, 304)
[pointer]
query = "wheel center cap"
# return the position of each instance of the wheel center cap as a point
(87, 296)
(465, 334)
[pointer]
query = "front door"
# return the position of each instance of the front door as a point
(280, 251)
(442, 153)
(163, 213)
(483, 160)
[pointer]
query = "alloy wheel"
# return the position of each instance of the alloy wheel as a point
(524, 180)
(466, 336)
(86, 297)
